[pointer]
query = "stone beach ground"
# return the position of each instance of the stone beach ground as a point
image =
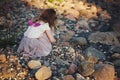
(87, 34)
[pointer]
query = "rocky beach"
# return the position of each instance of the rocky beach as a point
(87, 40)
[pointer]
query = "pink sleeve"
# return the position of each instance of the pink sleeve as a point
(30, 22)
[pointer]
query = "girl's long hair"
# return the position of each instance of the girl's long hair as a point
(49, 15)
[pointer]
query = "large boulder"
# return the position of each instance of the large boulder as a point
(33, 64)
(93, 52)
(43, 73)
(79, 41)
(86, 68)
(108, 38)
(104, 72)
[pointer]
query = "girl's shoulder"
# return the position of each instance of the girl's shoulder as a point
(46, 26)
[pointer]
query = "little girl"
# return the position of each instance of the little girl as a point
(38, 38)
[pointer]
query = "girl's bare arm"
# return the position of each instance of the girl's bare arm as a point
(50, 36)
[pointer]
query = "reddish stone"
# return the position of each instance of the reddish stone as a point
(117, 79)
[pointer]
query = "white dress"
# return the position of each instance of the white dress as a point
(35, 42)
